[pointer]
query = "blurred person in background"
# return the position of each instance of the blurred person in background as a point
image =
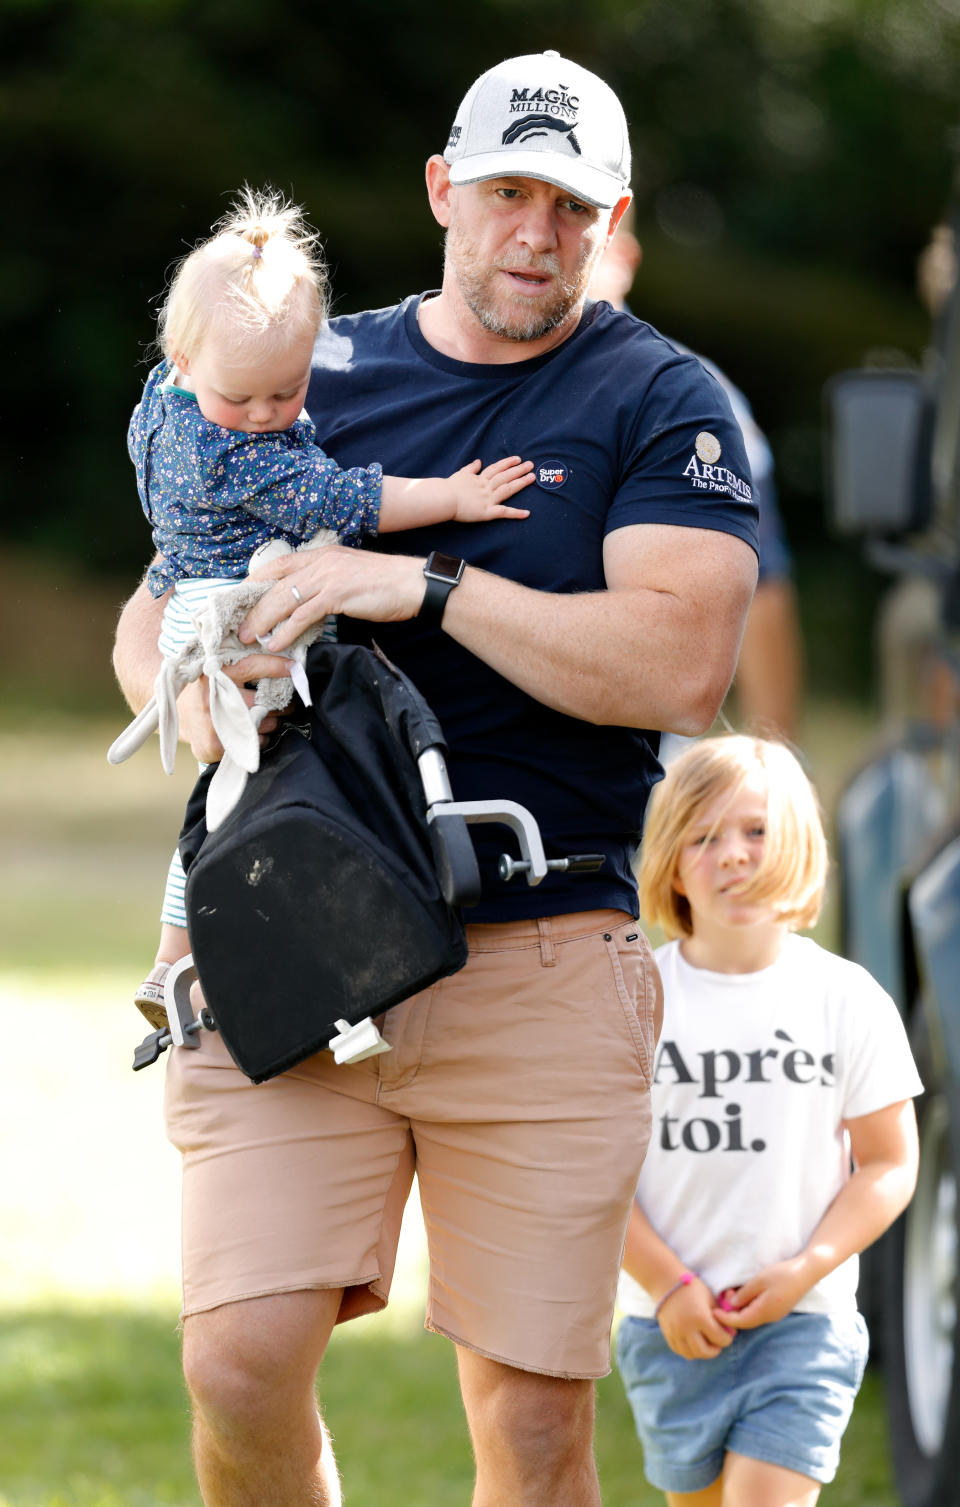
(769, 679)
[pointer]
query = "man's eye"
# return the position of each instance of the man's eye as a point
(576, 207)
(509, 193)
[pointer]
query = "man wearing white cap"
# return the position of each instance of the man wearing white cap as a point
(553, 650)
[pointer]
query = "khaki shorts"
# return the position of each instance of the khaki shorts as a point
(517, 1090)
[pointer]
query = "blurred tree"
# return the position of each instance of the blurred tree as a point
(789, 162)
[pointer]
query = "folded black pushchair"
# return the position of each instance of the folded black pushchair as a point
(333, 889)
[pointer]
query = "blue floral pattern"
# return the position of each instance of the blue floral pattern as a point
(214, 495)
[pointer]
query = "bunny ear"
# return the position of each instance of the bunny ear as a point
(227, 784)
(143, 726)
(224, 790)
(231, 718)
(166, 688)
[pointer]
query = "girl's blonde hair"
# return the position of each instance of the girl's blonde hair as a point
(793, 869)
(259, 279)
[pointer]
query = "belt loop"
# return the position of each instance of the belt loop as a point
(548, 952)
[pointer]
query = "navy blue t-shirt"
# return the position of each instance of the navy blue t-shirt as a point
(623, 429)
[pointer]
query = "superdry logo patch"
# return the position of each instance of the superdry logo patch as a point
(542, 111)
(551, 474)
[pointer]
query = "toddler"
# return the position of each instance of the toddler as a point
(225, 456)
(741, 1348)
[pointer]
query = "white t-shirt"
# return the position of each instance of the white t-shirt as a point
(755, 1074)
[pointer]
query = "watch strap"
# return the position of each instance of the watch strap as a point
(443, 573)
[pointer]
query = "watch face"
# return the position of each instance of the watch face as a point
(449, 567)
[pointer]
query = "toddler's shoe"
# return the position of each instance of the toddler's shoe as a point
(149, 997)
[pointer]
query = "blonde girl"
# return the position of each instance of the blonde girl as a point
(741, 1348)
(225, 454)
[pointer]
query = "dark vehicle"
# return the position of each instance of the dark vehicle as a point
(894, 459)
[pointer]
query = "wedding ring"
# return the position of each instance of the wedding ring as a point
(295, 593)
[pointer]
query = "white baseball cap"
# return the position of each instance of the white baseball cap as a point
(543, 117)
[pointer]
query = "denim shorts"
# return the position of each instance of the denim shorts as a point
(781, 1393)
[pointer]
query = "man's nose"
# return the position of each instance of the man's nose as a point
(538, 228)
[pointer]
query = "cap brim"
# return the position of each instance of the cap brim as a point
(602, 190)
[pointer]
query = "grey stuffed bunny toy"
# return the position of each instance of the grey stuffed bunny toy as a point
(235, 723)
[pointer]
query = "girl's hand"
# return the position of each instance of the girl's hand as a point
(770, 1295)
(479, 495)
(690, 1324)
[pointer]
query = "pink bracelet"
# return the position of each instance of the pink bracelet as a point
(683, 1281)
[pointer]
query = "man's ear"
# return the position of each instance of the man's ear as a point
(438, 189)
(617, 213)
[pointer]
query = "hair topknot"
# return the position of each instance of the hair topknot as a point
(258, 279)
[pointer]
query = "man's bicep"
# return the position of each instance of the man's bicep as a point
(691, 563)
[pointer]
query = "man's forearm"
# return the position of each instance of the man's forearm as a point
(631, 658)
(136, 658)
(657, 649)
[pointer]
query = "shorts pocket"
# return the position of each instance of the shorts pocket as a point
(638, 988)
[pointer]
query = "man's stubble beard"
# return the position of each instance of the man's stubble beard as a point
(512, 318)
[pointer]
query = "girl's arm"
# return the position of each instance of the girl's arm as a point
(686, 1319)
(885, 1155)
(469, 495)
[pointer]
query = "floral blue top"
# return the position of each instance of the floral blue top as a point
(214, 495)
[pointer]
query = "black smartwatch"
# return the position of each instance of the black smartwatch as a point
(443, 573)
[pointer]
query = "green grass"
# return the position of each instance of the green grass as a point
(97, 1418)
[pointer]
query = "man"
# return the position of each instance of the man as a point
(518, 1089)
(769, 680)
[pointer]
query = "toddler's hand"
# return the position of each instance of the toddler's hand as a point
(480, 495)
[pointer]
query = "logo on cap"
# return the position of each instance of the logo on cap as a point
(551, 475)
(539, 125)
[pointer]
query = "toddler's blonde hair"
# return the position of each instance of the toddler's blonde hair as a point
(259, 280)
(793, 869)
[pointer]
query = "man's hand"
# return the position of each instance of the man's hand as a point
(193, 705)
(378, 588)
(690, 1324)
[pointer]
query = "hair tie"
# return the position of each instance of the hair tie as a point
(683, 1281)
(257, 253)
